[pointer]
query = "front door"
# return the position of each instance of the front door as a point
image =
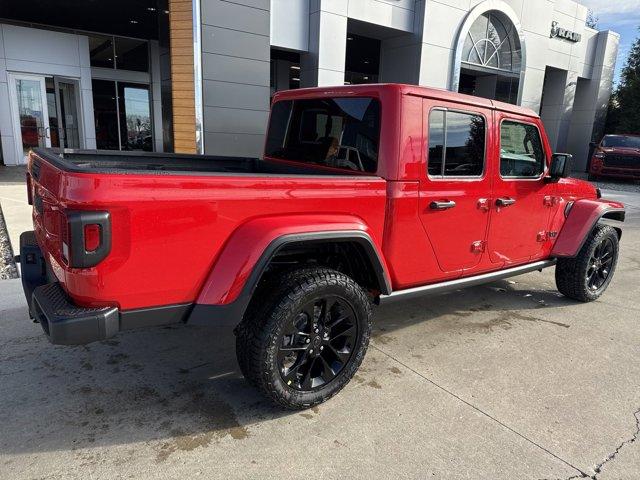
(521, 197)
(30, 113)
(455, 188)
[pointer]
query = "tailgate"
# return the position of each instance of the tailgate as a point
(69, 237)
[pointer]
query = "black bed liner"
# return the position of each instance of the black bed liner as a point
(95, 161)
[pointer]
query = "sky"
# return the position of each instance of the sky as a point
(622, 16)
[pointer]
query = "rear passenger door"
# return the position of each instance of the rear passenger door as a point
(522, 198)
(456, 183)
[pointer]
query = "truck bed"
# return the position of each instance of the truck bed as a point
(92, 161)
(170, 215)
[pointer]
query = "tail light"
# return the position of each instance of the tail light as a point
(86, 238)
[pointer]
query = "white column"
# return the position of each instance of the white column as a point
(324, 64)
(592, 100)
(86, 94)
(7, 141)
(557, 106)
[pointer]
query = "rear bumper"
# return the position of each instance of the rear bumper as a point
(66, 323)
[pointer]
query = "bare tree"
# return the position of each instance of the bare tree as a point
(592, 19)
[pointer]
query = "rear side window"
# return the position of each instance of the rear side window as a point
(338, 132)
(456, 144)
(521, 151)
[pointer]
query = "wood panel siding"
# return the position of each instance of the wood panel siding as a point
(182, 76)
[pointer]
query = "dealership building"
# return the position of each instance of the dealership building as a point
(198, 75)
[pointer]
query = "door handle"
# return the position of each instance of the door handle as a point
(505, 202)
(444, 205)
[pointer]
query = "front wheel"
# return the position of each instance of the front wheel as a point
(304, 336)
(588, 275)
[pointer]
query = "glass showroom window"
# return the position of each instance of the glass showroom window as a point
(122, 115)
(119, 53)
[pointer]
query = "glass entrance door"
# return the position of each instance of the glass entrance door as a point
(66, 98)
(30, 113)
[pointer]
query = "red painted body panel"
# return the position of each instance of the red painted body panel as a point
(582, 217)
(196, 238)
(167, 231)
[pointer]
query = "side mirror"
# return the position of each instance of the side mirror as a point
(560, 166)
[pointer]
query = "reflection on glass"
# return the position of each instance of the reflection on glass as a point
(521, 152)
(106, 117)
(135, 117)
(101, 51)
(132, 54)
(69, 115)
(51, 109)
(31, 113)
(465, 145)
(436, 142)
(341, 133)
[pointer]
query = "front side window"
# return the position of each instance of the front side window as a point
(456, 144)
(521, 151)
(340, 133)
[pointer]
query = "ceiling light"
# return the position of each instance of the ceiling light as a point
(366, 78)
(347, 83)
(167, 12)
(133, 21)
(366, 62)
(349, 38)
(295, 79)
(295, 67)
(151, 9)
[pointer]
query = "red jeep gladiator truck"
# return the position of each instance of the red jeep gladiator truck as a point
(364, 194)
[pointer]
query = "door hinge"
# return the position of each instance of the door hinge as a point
(542, 236)
(478, 246)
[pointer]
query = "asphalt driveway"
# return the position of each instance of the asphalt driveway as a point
(504, 381)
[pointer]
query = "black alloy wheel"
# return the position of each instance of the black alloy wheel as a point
(600, 264)
(304, 335)
(587, 275)
(317, 343)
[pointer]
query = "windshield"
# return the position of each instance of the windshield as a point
(340, 133)
(611, 141)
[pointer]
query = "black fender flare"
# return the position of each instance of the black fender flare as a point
(232, 313)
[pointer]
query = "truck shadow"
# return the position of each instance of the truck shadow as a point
(178, 386)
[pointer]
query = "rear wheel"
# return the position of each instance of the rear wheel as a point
(588, 275)
(304, 336)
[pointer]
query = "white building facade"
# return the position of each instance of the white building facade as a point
(535, 53)
(84, 80)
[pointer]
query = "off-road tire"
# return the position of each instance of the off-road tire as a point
(277, 302)
(572, 273)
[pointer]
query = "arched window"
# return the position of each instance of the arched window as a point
(493, 43)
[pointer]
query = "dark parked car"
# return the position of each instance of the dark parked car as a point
(616, 156)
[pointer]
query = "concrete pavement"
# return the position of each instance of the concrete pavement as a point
(504, 381)
(13, 199)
